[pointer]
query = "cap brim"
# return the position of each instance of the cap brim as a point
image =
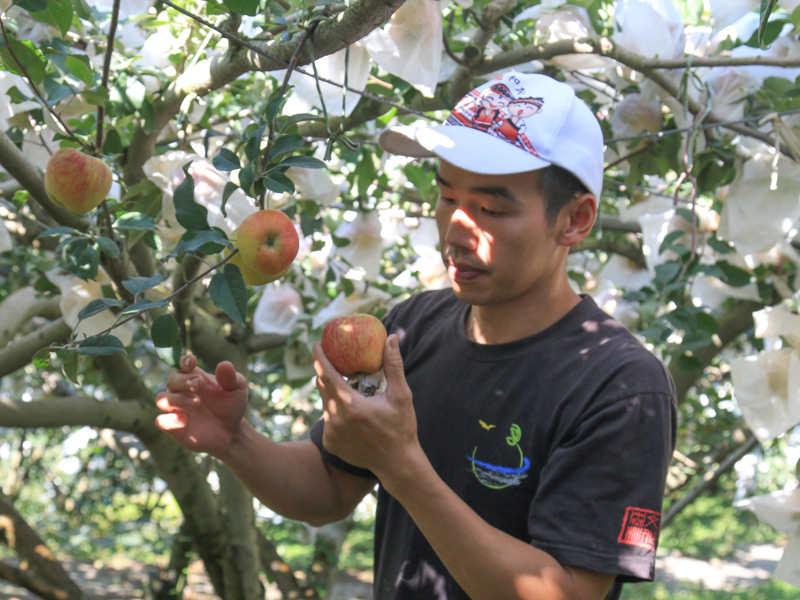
(464, 147)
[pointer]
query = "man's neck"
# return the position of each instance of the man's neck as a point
(512, 321)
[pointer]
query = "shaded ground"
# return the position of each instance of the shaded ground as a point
(125, 580)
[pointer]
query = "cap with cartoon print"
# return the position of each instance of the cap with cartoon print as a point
(517, 122)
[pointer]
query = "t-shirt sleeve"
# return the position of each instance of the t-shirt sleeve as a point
(598, 503)
(316, 437)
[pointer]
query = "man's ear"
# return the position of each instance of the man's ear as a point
(577, 219)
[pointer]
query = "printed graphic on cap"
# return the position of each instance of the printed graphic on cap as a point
(640, 528)
(499, 111)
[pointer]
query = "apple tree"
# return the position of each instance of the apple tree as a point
(208, 111)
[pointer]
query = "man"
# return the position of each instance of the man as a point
(523, 440)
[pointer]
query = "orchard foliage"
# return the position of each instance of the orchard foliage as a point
(209, 111)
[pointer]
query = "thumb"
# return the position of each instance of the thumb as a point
(393, 367)
(228, 378)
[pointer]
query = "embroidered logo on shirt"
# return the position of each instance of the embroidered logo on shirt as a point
(498, 477)
(640, 528)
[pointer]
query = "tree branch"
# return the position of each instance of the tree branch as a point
(20, 537)
(31, 583)
(20, 307)
(20, 353)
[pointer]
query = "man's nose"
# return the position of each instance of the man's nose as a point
(462, 230)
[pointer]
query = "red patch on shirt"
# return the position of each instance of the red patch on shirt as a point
(640, 528)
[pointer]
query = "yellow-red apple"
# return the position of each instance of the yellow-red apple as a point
(76, 181)
(251, 276)
(354, 344)
(268, 242)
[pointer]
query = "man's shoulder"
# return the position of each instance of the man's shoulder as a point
(616, 351)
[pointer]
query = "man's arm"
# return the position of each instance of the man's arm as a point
(292, 479)
(204, 413)
(379, 433)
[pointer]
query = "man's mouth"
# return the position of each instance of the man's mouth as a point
(461, 272)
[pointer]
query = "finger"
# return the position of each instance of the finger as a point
(228, 378)
(171, 422)
(188, 362)
(396, 384)
(331, 380)
(186, 382)
(171, 402)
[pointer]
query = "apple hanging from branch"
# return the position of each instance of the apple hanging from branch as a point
(268, 243)
(251, 276)
(77, 181)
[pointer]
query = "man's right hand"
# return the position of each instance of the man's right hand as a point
(204, 412)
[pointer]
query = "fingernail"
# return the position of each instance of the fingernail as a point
(195, 400)
(393, 343)
(194, 382)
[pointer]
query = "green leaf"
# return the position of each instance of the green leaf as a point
(98, 97)
(306, 162)
(279, 183)
(108, 247)
(230, 187)
(72, 365)
(28, 56)
(244, 7)
(164, 331)
(667, 272)
(287, 143)
(225, 160)
(191, 241)
(720, 246)
(191, 215)
(98, 306)
(137, 285)
(143, 305)
(100, 345)
(16, 96)
(80, 68)
(733, 275)
(229, 292)
(55, 231)
(32, 5)
(41, 360)
(136, 221)
(113, 142)
(247, 178)
(767, 6)
(58, 13)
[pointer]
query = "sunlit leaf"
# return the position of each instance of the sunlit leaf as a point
(229, 292)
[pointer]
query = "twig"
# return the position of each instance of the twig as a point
(289, 70)
(446, 41)
(112, 31)
(35, 88)
(168, 298)
(622, 159)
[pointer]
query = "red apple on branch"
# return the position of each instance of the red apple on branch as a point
(77, 181)
(354, 344)
(268, 242)
(251, 276)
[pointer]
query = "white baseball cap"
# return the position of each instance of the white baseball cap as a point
(512, 124)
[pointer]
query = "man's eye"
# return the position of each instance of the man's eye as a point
(446, 200)
(491, 213)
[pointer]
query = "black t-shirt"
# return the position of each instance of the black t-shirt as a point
(561, 439)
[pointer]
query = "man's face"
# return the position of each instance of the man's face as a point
(494, 237)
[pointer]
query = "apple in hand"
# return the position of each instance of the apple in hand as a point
(76, 181)
(354, 344)
(251, 276)
(268, 242)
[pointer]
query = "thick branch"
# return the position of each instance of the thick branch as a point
(14, 162)
(709, 479)
(20, 307)
(20, 537)
(211, 74)
(29, 582)
(630, 250)
(132, 416)
(20, 353)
